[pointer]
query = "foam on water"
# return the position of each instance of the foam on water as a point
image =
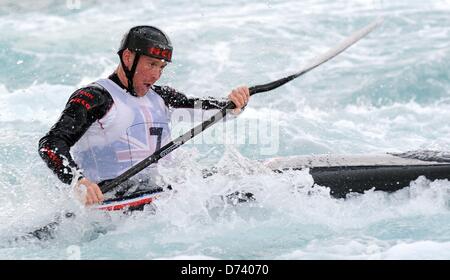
(388, 93)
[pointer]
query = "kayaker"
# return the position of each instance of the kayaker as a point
(111, 124)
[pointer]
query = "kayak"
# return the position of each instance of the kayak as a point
(344, 174)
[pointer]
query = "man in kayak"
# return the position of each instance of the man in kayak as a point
(112, 124)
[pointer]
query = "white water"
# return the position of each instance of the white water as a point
(388, 93)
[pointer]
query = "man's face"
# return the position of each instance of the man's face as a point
(148, 71)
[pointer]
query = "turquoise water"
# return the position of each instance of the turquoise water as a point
(388, 93)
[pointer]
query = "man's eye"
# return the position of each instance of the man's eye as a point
(156, 65)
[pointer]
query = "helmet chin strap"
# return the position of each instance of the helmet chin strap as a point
(130, 73)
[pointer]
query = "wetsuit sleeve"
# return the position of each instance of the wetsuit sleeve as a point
(177, 100)
(85, 106)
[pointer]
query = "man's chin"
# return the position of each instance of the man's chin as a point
(142, 91)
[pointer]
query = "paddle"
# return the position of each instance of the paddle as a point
(168, 148)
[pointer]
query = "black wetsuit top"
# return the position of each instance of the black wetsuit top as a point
(88, 105)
